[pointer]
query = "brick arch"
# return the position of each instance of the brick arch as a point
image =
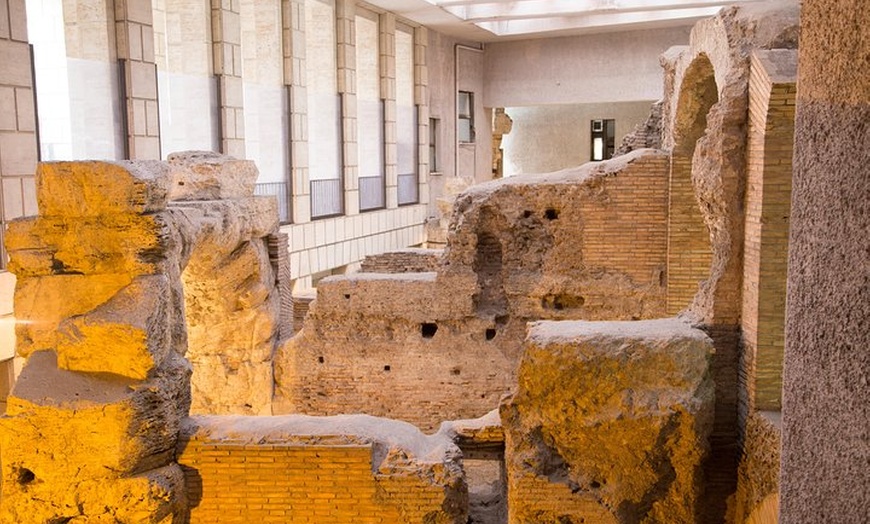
(689, 251)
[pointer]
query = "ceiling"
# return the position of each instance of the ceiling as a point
(493, 20)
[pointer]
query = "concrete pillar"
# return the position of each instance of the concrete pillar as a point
(387, 46)
(346, 62)
(293, 15)
(134, 38)
(18, 155)
(826, 398)
(421, 99)
(227, 45)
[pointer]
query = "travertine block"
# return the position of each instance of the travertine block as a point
(66, 427)
(42, 303)
(153, 497)
(610, 419)
(117, 243)
(203, 175)
(128, 335)
(99, 189)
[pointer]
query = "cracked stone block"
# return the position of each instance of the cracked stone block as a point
(204, 175)
(609, 423)
(128, 335)
(94, 189)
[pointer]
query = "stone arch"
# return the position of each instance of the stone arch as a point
(689, 251)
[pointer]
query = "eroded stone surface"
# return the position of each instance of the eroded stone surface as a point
(609, 423)
(90, 428)
(205, 175)
(585, 243)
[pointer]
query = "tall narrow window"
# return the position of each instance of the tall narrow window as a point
(603, 139)
(406, 117)
(434, 129)
(465, 114)
(370, 113)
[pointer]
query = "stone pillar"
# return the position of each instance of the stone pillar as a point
(387, 27)
(134, 37)
(826, 398)
(421, 99)
(18, 147)
(18, 155)
(293, 20)
(227, 44)
(346, 62)
(91, 425)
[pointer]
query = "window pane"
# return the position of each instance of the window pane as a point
(465, 130)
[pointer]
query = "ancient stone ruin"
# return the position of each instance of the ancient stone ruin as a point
(557, 362)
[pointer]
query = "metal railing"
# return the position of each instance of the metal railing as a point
(326, 198)
(371, 193)
(280, 190)
(408, 190)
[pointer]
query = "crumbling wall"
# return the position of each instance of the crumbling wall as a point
(297, 469)
(757, 498)
(403, 261)
(426, 347)
(705, 128)
(609, 423)
(91, 425)
(231, 297)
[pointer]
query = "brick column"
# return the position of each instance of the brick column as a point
(421, 99)
(345, 40)
(134, 37)
(387, 28)
(227, 43)
(293, 15)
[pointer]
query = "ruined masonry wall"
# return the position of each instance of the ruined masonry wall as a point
(587, 243)
(403, 261)
(294, 484)
(337, 470)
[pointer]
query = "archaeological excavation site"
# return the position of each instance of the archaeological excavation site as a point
(434, 262)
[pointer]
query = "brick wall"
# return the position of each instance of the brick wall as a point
(403, 261)
(768, 206)
(689, 253)
(592, 247)
(298, 483)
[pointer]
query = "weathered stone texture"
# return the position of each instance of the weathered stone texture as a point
(90, 428)
(609, 423)
(757, 497)
(826, 399)
(427, 347)
(403, 261)
(329, 470)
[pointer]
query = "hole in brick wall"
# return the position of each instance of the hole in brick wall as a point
(501, 320)
(551, 214)
(320, 360)
(386, 368)
(455, 371)
(595, 484)
(428, 329)
(346, 295)
(490, 333)
(562, 301)
(25, 476)
(181, 182)
(527, 214)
